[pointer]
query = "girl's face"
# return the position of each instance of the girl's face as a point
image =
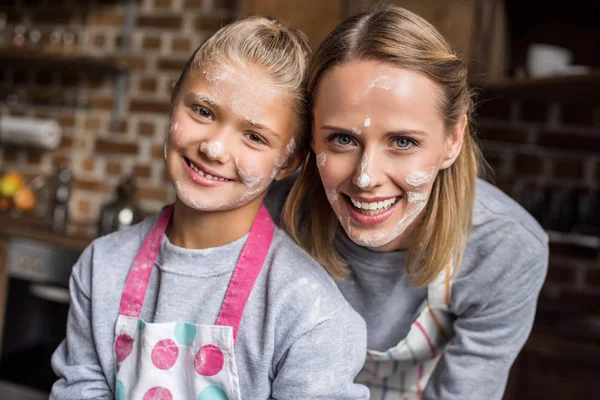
(231, 134)
(380, 141)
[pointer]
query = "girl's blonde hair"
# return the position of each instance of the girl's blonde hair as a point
(399, 37)
(282, 51)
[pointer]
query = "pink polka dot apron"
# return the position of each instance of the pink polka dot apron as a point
(181, 360)
(402, 372)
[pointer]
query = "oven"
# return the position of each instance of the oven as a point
(35, 316)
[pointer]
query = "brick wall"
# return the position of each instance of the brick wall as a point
(165, 34)
(545, 149)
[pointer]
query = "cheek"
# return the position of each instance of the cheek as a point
(335, 169)
(415, 172)
(184, 131)
(253, 166)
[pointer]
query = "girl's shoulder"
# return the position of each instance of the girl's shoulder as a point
(295, 274)
(111, 255)
(125, 241)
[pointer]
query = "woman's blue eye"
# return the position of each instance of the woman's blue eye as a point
(343, 140)
(403, 143)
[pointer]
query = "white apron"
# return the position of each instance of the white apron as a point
(181, 360)
(402, 372)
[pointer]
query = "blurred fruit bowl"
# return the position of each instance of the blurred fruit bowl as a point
(14, 193)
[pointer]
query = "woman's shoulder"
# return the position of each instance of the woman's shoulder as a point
(506, 254)
(498, 215)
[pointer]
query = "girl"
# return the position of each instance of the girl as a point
(209, 300)
(444, 268)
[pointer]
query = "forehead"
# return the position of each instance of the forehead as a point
(373, 86)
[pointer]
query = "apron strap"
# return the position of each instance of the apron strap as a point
(248, 268)
(137, 281)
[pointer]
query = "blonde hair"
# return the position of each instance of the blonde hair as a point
(399, 37)
(282, 51)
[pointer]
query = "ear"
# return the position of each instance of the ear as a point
(454, 141)
(291, 165)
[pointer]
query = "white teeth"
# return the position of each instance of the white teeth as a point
(376, 205)
(202, 173)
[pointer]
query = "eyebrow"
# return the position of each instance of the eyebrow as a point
(414, 132)
(200, 97)
(260, 126)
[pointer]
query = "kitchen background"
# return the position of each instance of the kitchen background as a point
(84, 100)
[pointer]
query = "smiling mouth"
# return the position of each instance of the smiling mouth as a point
(204, 173)
(372, 207)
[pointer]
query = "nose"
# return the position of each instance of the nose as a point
(215, 148)
(366, 174)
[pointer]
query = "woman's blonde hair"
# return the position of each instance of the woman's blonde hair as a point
(282, 51)
(399, 37)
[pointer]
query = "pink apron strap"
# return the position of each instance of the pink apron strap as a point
(247, 270)
(139, 275)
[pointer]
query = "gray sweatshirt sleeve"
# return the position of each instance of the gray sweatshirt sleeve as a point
(476, 362)
(323, 362)
(75, 361)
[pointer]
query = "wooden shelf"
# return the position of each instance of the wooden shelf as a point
(583, 88)
(64, 60)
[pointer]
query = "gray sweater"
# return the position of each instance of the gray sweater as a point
(494, 295)
(298, 339)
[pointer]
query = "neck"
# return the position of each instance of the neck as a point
(193, 229)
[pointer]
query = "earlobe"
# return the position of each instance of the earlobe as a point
(454, 143)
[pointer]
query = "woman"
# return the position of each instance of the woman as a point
(444, 268)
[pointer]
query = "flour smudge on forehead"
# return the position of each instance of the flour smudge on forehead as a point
(383, 83)
(245, 94)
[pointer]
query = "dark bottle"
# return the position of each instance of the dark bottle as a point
(121, 212)
(60, 203)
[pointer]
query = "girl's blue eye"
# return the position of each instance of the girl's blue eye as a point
(403, 143)
(343, 140)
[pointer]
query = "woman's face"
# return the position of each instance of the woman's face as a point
(380, 141)
(231, 134)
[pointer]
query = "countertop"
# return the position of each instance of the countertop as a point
(30, 227)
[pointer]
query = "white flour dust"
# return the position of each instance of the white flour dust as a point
(321, 160)
(419, 178)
